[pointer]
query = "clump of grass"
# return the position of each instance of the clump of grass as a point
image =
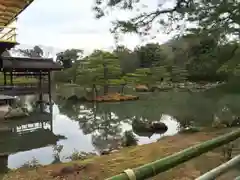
(227, 151)
(76, 155)
(32, 164)
(129, 139)
(57, 149)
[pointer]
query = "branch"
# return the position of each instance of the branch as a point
(146, 19)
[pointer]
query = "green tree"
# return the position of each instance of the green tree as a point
(69, 57)
(218, 17)
(102, 69)
(178, 74)
(35, 52)
(149, 55)
(148, 76)
(71, 60)
(129, 61)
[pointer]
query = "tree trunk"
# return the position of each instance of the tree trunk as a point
(94, 92)
(122, 88)
(105, 87)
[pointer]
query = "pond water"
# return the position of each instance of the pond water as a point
(94, 127)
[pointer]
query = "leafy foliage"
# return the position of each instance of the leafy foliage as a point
(219, 18)
(214, 23)
(103, 68)
(191, 57)
(68, 57)
(129, 139)
(35, 52)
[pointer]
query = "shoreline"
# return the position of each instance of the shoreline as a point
(100, 167)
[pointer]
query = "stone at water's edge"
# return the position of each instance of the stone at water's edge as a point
(158, 126)
(190, 130)
(142, 88)
(148, 129)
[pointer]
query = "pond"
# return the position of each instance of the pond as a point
(94, 127)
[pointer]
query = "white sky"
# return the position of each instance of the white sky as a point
(71, 24)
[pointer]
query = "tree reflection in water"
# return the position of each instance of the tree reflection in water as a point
(106, 122)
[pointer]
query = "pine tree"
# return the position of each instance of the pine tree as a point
(102, 69)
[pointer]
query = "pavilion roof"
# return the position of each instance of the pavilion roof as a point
(29, 64)
(10, 9)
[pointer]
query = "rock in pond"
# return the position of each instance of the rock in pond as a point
(158, 127)
(141, 88)
(148, 128)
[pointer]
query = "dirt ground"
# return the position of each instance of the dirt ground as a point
(99, 168)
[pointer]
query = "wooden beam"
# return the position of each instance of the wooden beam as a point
(6, 13)
(4, 18)
(11, 78)
(49, 87)
(35, 74)
(10, 9)
(5, 78)
(15, 4)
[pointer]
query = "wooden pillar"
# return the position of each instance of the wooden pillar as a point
(51, 114)
(40, 91)
(11, 78)
(49, 87)
(4, 163)
(5, 78)
(50, 100)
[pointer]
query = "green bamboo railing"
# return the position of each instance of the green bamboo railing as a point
(223, 168)
(159, 166)
(237, 178)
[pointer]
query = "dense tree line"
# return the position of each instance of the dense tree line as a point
(207, 51)
(215, 24)
(188, 58)
(191, 57)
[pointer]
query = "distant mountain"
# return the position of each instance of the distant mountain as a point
(49, 52)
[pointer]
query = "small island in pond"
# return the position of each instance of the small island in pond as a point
(114, 98)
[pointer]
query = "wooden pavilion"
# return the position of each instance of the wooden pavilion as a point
(11, 139)
(12, 67)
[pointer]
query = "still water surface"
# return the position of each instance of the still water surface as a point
(91, 128)
(77, 140)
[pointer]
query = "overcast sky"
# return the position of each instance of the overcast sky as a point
(71, 24)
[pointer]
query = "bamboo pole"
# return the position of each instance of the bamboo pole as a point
(154, 168)
(216, 172)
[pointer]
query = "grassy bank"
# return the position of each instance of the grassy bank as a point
(99, 168)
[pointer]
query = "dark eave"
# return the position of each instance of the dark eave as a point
(22, 64)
